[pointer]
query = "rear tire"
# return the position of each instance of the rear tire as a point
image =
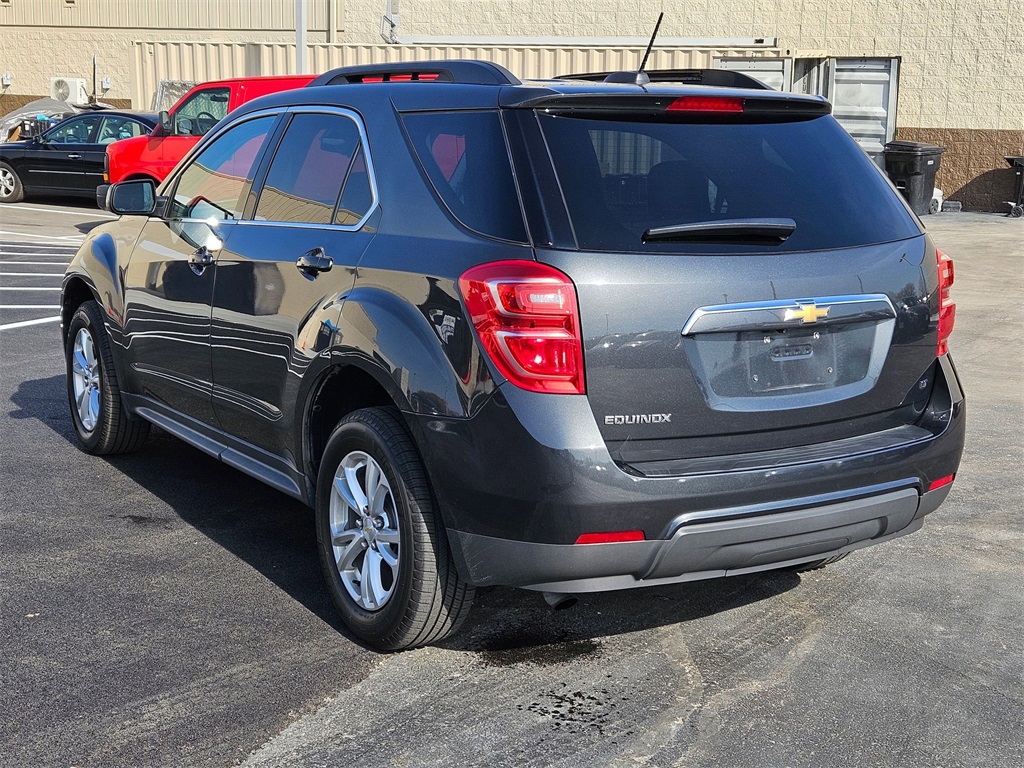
(382, 545)
(11, 189)
(94, 395)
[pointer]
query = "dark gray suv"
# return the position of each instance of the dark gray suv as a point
(563, 335)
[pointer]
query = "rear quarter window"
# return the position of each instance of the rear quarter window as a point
(622, 178)
(465, 157)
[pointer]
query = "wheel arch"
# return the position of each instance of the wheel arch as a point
(76, 291)
(338, 391)
(139, 176)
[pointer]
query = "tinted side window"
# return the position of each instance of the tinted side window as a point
(115, 128)
(465, 156)
(357, 196)
(212, 184)
(309, 169)
(76, 131)
(201, 112)
(621, 178)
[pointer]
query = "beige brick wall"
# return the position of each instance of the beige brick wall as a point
(961, 59)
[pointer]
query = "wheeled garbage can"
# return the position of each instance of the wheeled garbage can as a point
(911, 165)
(1017, 204)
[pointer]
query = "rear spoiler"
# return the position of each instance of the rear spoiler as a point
(683, 106)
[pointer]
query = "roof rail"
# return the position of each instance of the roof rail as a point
(719, 78)
(465, 71)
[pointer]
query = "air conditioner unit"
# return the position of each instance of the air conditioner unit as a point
(69, 89)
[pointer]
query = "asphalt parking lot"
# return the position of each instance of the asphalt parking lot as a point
(162, 609)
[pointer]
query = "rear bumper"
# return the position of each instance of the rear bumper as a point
(717, 547)
(521, 480)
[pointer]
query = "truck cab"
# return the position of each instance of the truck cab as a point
(154, 155)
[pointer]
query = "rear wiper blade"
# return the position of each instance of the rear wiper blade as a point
(770, 231)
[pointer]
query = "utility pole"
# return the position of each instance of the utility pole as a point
(301, 22)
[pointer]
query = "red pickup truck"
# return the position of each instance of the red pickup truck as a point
(153, 156)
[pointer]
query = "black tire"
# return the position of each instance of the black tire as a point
(11, 189)
(1016, 211)
(425, 599)
(103, 425)
(816, 565)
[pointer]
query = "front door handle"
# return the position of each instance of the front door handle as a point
(200, 260)
(314, 262)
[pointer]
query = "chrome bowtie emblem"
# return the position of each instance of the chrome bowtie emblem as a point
(807, 313)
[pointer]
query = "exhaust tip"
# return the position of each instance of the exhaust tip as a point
(559, 601)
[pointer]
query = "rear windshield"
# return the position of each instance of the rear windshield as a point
(621, 179)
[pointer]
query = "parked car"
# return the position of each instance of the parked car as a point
(154, 155)
(558, 335)
(68, 158)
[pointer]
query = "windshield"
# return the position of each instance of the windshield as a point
(622, 180)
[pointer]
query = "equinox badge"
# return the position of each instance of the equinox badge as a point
(807, 313)
(639, 418)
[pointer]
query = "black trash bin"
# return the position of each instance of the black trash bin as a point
(912, 165)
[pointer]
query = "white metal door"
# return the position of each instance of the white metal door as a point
(863, 95)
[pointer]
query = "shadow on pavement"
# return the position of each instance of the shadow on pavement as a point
(275, 535)
(268, 530)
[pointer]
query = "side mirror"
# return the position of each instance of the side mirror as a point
(132, 198)
(166, 124)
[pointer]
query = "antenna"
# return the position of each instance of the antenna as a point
(650, 45)
(639, 77)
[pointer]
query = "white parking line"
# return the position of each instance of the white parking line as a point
(26, 323)
(38, 254)
(37, 263)
(87, 214)
(28, 306)
(46, 239)
(31, 274)
(5, 288)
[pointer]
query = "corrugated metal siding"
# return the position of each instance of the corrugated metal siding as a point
(211, 61)
(213, 15)
(196, 62)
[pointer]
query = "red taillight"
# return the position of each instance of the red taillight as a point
(941, 482)
(609, 538)
(529, 322)
(706, 104)
(947, 309)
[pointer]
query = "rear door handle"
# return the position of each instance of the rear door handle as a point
(74, 156)
(314, 262)
(200, 260)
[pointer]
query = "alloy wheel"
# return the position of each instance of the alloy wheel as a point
(364, 531)
(6, 183)
(85, 369)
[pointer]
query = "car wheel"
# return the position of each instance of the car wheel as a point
(815, 565)
(382, 544)
(933, 206)
(101, 421)
(11, 190)
(1017, 211)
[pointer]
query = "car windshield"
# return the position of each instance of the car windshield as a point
(623, 180)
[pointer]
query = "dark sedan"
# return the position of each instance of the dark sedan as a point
(68, 158)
